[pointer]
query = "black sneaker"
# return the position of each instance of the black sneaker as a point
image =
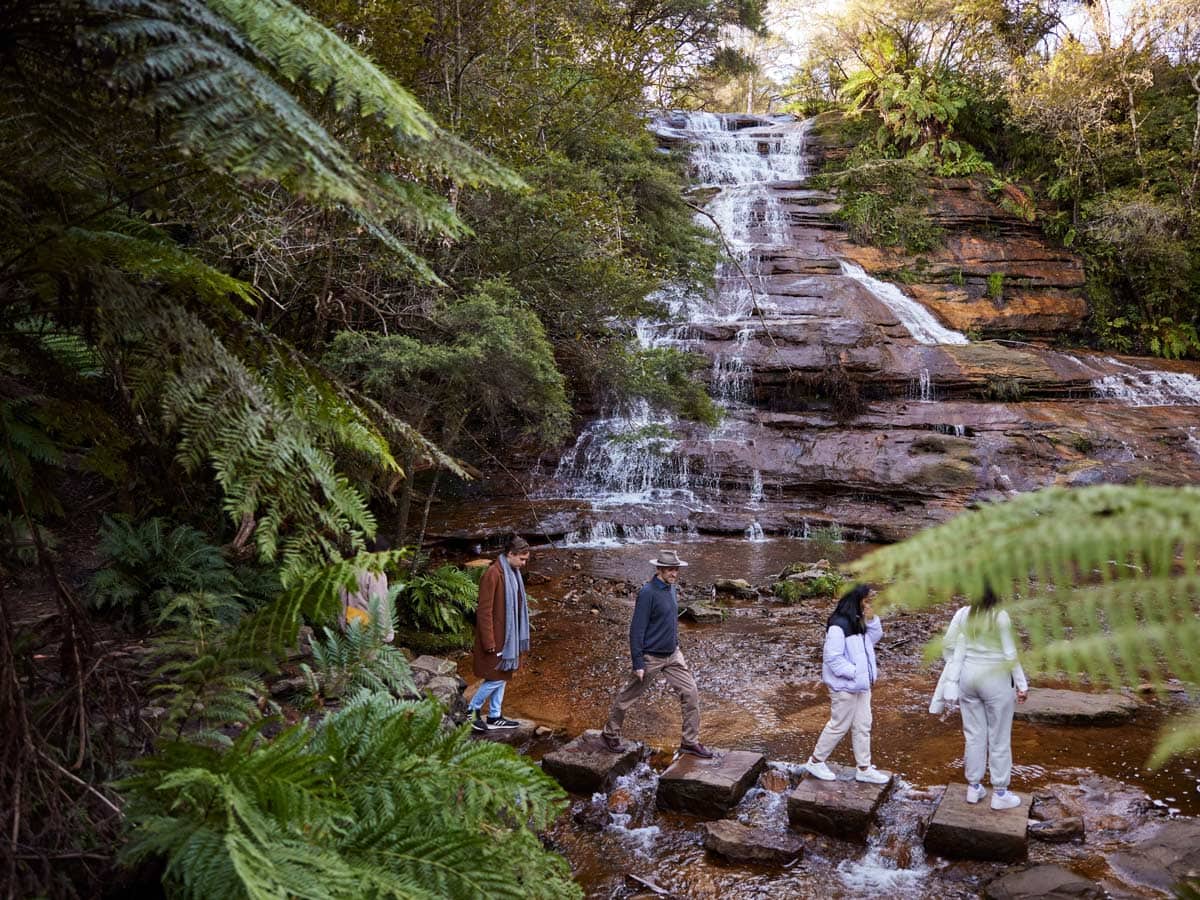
(696, 749)
(501, 722)
(477, 724)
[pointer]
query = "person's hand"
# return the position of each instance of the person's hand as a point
(868, 611)
(640, 673)
(1022, 696)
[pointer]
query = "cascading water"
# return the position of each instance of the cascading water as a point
(920, 322)
(632, 458)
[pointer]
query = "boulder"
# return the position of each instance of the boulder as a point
(433, 665)
(585, 765)
(695, 612)
(709, 787)
(593, 815)
(737, 587)
(962, 830)
(1163, 859)
(844, 808)
(1060, 707)
(445, 688)
(1053, 821)
(741, 843)
(1051, 882)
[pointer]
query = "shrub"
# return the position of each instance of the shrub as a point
(439, 601)
(794, 591)
(376, 801)
(360, 658)
(995, 286)
(834, 386)
(150, 562)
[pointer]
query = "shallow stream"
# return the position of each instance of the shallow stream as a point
(759, 678)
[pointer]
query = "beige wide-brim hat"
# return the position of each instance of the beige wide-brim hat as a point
(667, 559)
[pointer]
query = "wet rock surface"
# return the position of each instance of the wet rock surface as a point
(526, 731)
(585, 765)
(1164, 857)
(709, 787)
(961, 830)
(1063, 707)
(740, 843)
(1050, 882)
(844, 808)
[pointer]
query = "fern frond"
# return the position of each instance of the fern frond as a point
(1104, 580)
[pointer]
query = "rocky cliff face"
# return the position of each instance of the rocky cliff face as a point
(848, 400)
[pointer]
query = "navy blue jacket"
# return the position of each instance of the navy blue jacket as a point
(655, 625)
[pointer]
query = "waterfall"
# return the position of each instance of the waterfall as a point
(920, 322)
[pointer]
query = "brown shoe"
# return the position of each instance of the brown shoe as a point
(696, 749)
(612, 743)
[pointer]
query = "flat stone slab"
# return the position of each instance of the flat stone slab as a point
(1049, 882)
(526, 730)
(585, 765)
(709, 787)
(844, 808)
(1054, 706)
(741, 843)
(962, 830)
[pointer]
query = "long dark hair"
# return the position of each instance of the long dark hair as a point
(987, 601)
(848, 614)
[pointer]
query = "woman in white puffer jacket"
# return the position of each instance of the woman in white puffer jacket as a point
(848, 669)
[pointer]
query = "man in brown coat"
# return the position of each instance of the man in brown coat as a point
(501, 633)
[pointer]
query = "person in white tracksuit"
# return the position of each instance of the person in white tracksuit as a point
(984, 677)
(848, 669)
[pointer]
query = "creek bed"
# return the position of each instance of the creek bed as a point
(759, 678)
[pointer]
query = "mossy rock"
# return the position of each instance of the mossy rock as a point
(950, 474)
(434, 643)
(795, 591)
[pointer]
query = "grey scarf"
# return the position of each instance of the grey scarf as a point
(516, 618)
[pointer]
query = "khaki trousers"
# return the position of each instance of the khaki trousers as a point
(675, 669)
(848, 712)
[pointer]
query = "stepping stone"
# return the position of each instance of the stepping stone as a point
(709, 787)
(740, 843)
(526, 730)
(585, 765)
(1058, 707)
(844, 808)
(962, 830)
(1048, 882)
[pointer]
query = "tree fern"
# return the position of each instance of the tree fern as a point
(358, 659)
(377, 801)
(1104, 580)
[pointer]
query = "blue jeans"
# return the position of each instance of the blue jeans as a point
(493, 688)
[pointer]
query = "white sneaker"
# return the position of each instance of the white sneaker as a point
(1006, 800)
(871, 775)
(975, 794)
(819, 770)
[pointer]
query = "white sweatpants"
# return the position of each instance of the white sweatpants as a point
(986, 699)
(847, 712)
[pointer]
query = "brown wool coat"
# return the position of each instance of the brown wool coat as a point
(490, 619)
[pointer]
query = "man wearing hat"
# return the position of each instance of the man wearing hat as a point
(654, 649)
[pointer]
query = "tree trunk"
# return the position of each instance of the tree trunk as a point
(406, 492)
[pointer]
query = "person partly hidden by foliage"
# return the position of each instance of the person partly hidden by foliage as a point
(501, 634)
(176, 365)
(983, 678)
